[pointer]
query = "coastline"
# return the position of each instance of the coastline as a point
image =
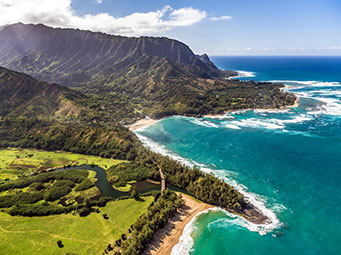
(166, 238)
(294, 105)
(253, 212)
(169, 236)
(143, 123)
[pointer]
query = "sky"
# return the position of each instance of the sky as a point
(215, 27)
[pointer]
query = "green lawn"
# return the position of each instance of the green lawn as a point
(14, 162)
(80, 235)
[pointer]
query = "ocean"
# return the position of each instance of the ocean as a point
(288, 162)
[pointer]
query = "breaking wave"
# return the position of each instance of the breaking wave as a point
(309, 83)
(186, 242)
(243, 74)
(258, 201)
(325, 92)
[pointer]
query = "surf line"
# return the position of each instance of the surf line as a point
(254, 199)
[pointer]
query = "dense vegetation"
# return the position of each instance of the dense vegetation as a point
(108, 142)
(140, 234)
(22, 95)
(75, 176)
(122, 173)
(126, 79)
(84, 185)
(76, 58)
(24, 193)
(202, 186)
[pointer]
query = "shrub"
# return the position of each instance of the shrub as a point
(60, 244)
(84, 185)
(20, 198)
(58, 190)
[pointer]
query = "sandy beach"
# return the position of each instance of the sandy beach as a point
(166, 238)
(141, 123)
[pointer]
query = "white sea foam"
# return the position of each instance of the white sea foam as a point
(232, 126)
(262, 123)
(268, 123)
(327, 92)
(186, 242)
(309, 83)
(331, 103)
(158, 148)
(255, 199)
(271, 111)
(316, 93)
(258, 201)
(243, 74)
(293, 132)
(220, 117)
(330, 106)
(201, 122)
(257, 123)
(297, 119)
(240, 111)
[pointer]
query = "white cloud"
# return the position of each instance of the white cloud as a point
(334, 48)
(99, 1)
(220, 18)
(59, 13)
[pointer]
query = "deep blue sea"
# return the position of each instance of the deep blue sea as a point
(288, 163)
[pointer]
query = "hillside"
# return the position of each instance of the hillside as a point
(73, 57)
(22, 95)
(127, 78)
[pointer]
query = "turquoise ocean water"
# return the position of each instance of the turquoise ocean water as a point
(288, 163)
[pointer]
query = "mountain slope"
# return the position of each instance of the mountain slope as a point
(128, 78)
(72, 57)
(22, 95)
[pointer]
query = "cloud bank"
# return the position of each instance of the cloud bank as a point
(59, 13)
(220, 18)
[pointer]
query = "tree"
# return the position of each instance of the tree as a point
(134, 193)
(85, 211)
(60, 244)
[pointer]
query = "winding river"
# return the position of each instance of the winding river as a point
(106, 188)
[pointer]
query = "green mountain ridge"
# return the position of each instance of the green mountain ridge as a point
(22, 95)
(72, 57)
(129, 78)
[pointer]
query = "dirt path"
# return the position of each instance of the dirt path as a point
(163, 179)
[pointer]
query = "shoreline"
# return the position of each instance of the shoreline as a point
(143, 123)
(294, 105)
(167, 237)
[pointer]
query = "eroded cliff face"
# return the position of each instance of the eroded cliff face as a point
(72, 57)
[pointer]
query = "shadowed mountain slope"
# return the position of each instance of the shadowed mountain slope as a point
(22, 95)
(127, 77)
(72, 57)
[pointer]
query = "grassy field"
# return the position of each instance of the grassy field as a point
(80, 235)
(125, 188)
(14, 162)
